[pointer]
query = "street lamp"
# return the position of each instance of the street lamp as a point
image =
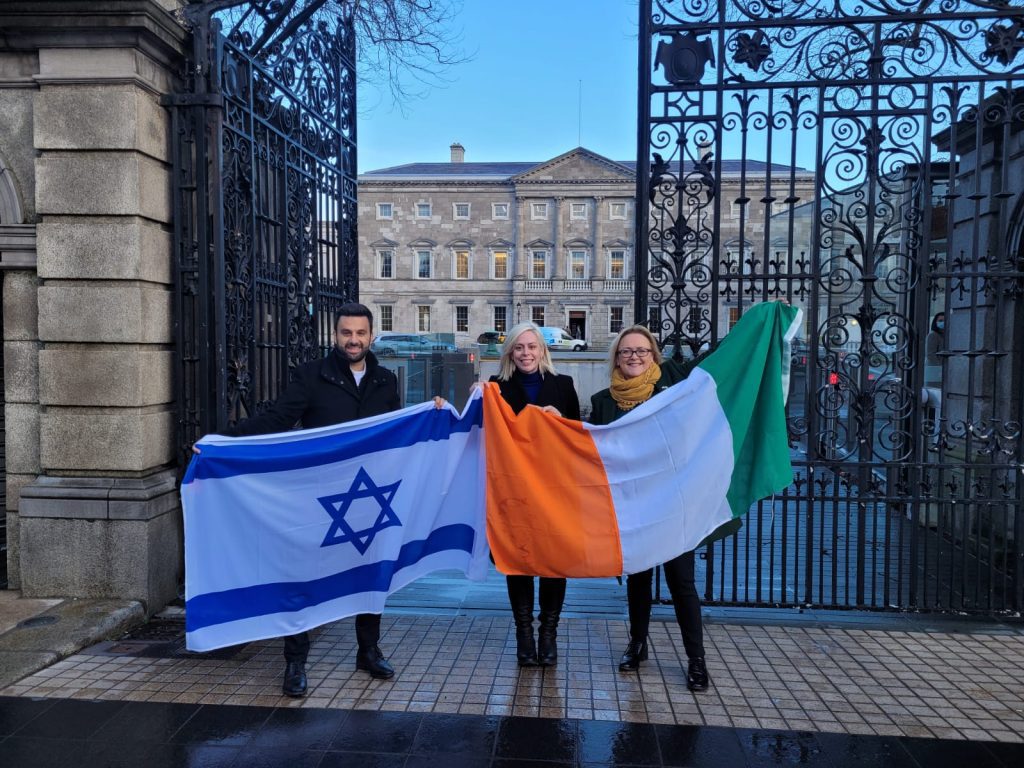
(519, 307)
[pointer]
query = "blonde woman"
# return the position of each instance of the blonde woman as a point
(638, 373)
(526, 376)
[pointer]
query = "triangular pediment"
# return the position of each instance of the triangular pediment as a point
(500, 243)
(459, 242)
(616, 243)
(383, 243)
(539, 244)
(576, 165)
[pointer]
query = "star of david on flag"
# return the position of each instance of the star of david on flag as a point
(338, 505)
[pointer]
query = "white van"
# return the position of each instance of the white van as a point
(559, 338)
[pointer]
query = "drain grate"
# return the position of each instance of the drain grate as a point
(165, 639)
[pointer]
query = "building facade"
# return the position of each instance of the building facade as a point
(461, 247)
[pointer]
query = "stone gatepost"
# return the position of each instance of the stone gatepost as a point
(103, 517)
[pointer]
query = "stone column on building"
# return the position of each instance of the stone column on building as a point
(103, 519)
(558, 267)
(600, 268)
(519, 227)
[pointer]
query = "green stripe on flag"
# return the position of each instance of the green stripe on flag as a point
(751, 371)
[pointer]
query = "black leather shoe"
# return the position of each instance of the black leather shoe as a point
(697, 678)
(372, 660)
(294, 684)
(635, 652)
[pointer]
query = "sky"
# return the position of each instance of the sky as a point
(517, 98)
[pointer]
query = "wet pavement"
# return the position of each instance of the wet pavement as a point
(83, 734)
(789, 688)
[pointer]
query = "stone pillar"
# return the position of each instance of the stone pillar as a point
(519, 227)
(21, 402)
(600, 268)
(558, 265)
(103, 519)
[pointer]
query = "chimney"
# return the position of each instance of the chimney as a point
(458, 153)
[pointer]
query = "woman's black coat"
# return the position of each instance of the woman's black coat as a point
(556, 389)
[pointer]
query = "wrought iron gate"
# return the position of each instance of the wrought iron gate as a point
(863, 159)
(264, 152)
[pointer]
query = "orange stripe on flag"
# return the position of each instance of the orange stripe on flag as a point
(549, 507)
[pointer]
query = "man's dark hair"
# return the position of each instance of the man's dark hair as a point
(353, 310)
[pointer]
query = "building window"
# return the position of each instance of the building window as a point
(385, 210)
(578, 211)
(501, 319)
(693, 320)
(462, 319)
(499, 210)
(499, 269)
(385, 264)
(537, 315)
(423, 210)
(578, 265)
(387, 318)
(616, 211)
(423, 264)
(539, 265)
(734, 316)
(617, 265)
(539, 211)
(460, 211)
(423, 319)
(615, 319)
(461, 266)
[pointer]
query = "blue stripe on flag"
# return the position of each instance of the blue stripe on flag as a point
(215, 608)
(229, 460)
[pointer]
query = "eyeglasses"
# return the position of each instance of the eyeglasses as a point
(638, 353)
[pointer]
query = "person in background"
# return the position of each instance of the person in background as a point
(638, 372)
(526, 376)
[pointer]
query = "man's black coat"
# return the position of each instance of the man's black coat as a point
(323, 392)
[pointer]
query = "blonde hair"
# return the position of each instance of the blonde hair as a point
(613, 355)
(506, 366)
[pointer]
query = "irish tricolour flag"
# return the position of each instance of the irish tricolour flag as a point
(571, 499)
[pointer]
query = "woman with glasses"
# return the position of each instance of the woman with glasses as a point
(526, 376)
(638, 373)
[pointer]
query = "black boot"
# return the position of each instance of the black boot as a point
(372, 660)
(697, 678)
(294, 684)
(520, 598)
(552, 595)
(635, 652)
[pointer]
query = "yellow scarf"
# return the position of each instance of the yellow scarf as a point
(629, 393)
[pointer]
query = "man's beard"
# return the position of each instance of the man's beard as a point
(353, 357)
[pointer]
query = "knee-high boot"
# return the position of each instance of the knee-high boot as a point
(520, 597)
(552, 595)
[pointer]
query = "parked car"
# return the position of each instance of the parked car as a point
(559, 338)
(491, 337)
(388, 344)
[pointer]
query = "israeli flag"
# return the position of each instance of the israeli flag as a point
(289, 531)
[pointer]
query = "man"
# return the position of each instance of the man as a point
(346, 385)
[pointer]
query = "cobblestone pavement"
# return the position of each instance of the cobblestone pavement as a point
(930, 684)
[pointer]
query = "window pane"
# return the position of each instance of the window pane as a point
(423, 317)
(578, 264)
(462, 265)
(462, 319)
(384, 210)
(500, 319)
(579, 210)
(537, 316)
(500, 265)
(615, 323)
(540, 210)
(617, 265)
(540, 265)
(423, 210)
(387, 318)
(619, 210)
(386, 260)
(462, 210)
(423, 260)
(501, 210)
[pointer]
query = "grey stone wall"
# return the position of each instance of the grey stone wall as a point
(96, 506)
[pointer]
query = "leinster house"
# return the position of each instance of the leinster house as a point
(464, 247)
